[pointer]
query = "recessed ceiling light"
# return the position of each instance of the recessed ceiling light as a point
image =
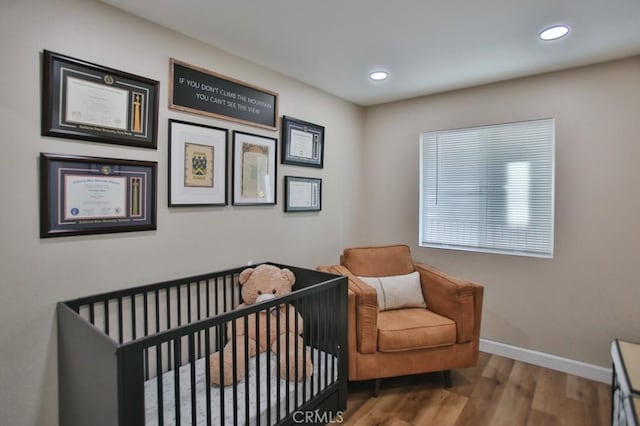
(554, 32)
(379, 75)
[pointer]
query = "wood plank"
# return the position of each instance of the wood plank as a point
(497, 391)
(442, 408)
(515, 405)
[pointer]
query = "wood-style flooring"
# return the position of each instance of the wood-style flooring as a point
(498, 391)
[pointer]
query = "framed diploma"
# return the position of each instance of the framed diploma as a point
(197, 165)
(254, 169)
(302, 143)
(302, 194)
(88, 195)
(90, 102)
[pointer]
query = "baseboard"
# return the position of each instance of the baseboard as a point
(542, 359)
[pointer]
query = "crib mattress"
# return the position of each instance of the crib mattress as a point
(322, 377)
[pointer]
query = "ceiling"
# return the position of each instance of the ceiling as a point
(428, 46)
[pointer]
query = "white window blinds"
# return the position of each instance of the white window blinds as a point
(489, 188)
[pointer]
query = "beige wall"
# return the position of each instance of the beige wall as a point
(575, 303)
(37, 273)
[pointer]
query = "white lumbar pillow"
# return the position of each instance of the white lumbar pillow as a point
(398, 291)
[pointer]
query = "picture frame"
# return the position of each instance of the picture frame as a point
(197, 165)
(91, 195)
(201, 91)
(302, 143)
(302, 194)
(90, 102)
(254, 169)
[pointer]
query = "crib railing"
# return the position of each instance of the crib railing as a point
(160, 333)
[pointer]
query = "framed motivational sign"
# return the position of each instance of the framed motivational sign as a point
(200, 91)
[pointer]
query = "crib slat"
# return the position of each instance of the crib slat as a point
(233, 297)
(278, 354)
(313, 342)
(133, 316)
(160, 388)
(207, 284)
(207, 373)
(268, 367)
(177, 356)
(246, 369)
(188, 288)
(120, 322)
(224, 296)
(192, 364)
(157, 297)
(145, 312)
(179, 303)
(287, 356)
(257, 325)
(325, 341)
(305, 309)
(295, 356)
(336, 332)
(106, 317)
(220, 337)
(234, 364)
(199, 350)
(168, 297)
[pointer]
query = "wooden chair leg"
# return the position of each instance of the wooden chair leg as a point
(376, 387)
(447, 378)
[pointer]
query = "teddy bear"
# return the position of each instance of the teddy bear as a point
(260, 284)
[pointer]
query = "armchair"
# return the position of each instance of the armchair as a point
(440, 337)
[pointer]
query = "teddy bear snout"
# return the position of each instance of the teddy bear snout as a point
(264, 297)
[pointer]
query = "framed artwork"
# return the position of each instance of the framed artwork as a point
(302, 143)
(197, 164)
(89, 195)
(302, 194)
(201, 91)
(254, 169)
(90, 102)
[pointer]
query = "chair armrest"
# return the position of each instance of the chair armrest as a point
(366, 310)
(454, 298)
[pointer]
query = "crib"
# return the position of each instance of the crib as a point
(140, 356)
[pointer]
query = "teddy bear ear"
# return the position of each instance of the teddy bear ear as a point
(244, 275)
(288, 275)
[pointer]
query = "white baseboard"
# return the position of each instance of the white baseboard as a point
(542, 359)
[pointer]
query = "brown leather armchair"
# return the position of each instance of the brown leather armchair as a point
(405, 341)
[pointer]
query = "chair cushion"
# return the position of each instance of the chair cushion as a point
(397, 291)
(380, 261)
(413, 328)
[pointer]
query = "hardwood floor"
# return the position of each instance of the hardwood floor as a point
(498, 391)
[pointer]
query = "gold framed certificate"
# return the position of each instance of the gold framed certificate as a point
(89, 195)
(254, 169)
(197, 164)
(86, 101)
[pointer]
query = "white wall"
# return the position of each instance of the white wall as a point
(37, 273)
(575, 303)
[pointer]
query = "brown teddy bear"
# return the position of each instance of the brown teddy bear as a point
(260, 284)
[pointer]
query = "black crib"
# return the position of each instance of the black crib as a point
(140, 356)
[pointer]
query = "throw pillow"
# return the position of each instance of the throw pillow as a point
(398, 291)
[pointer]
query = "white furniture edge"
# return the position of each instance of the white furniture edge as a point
(542, 359)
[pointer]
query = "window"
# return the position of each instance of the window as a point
(489, 188)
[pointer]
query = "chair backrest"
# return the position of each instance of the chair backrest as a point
(380, 261)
